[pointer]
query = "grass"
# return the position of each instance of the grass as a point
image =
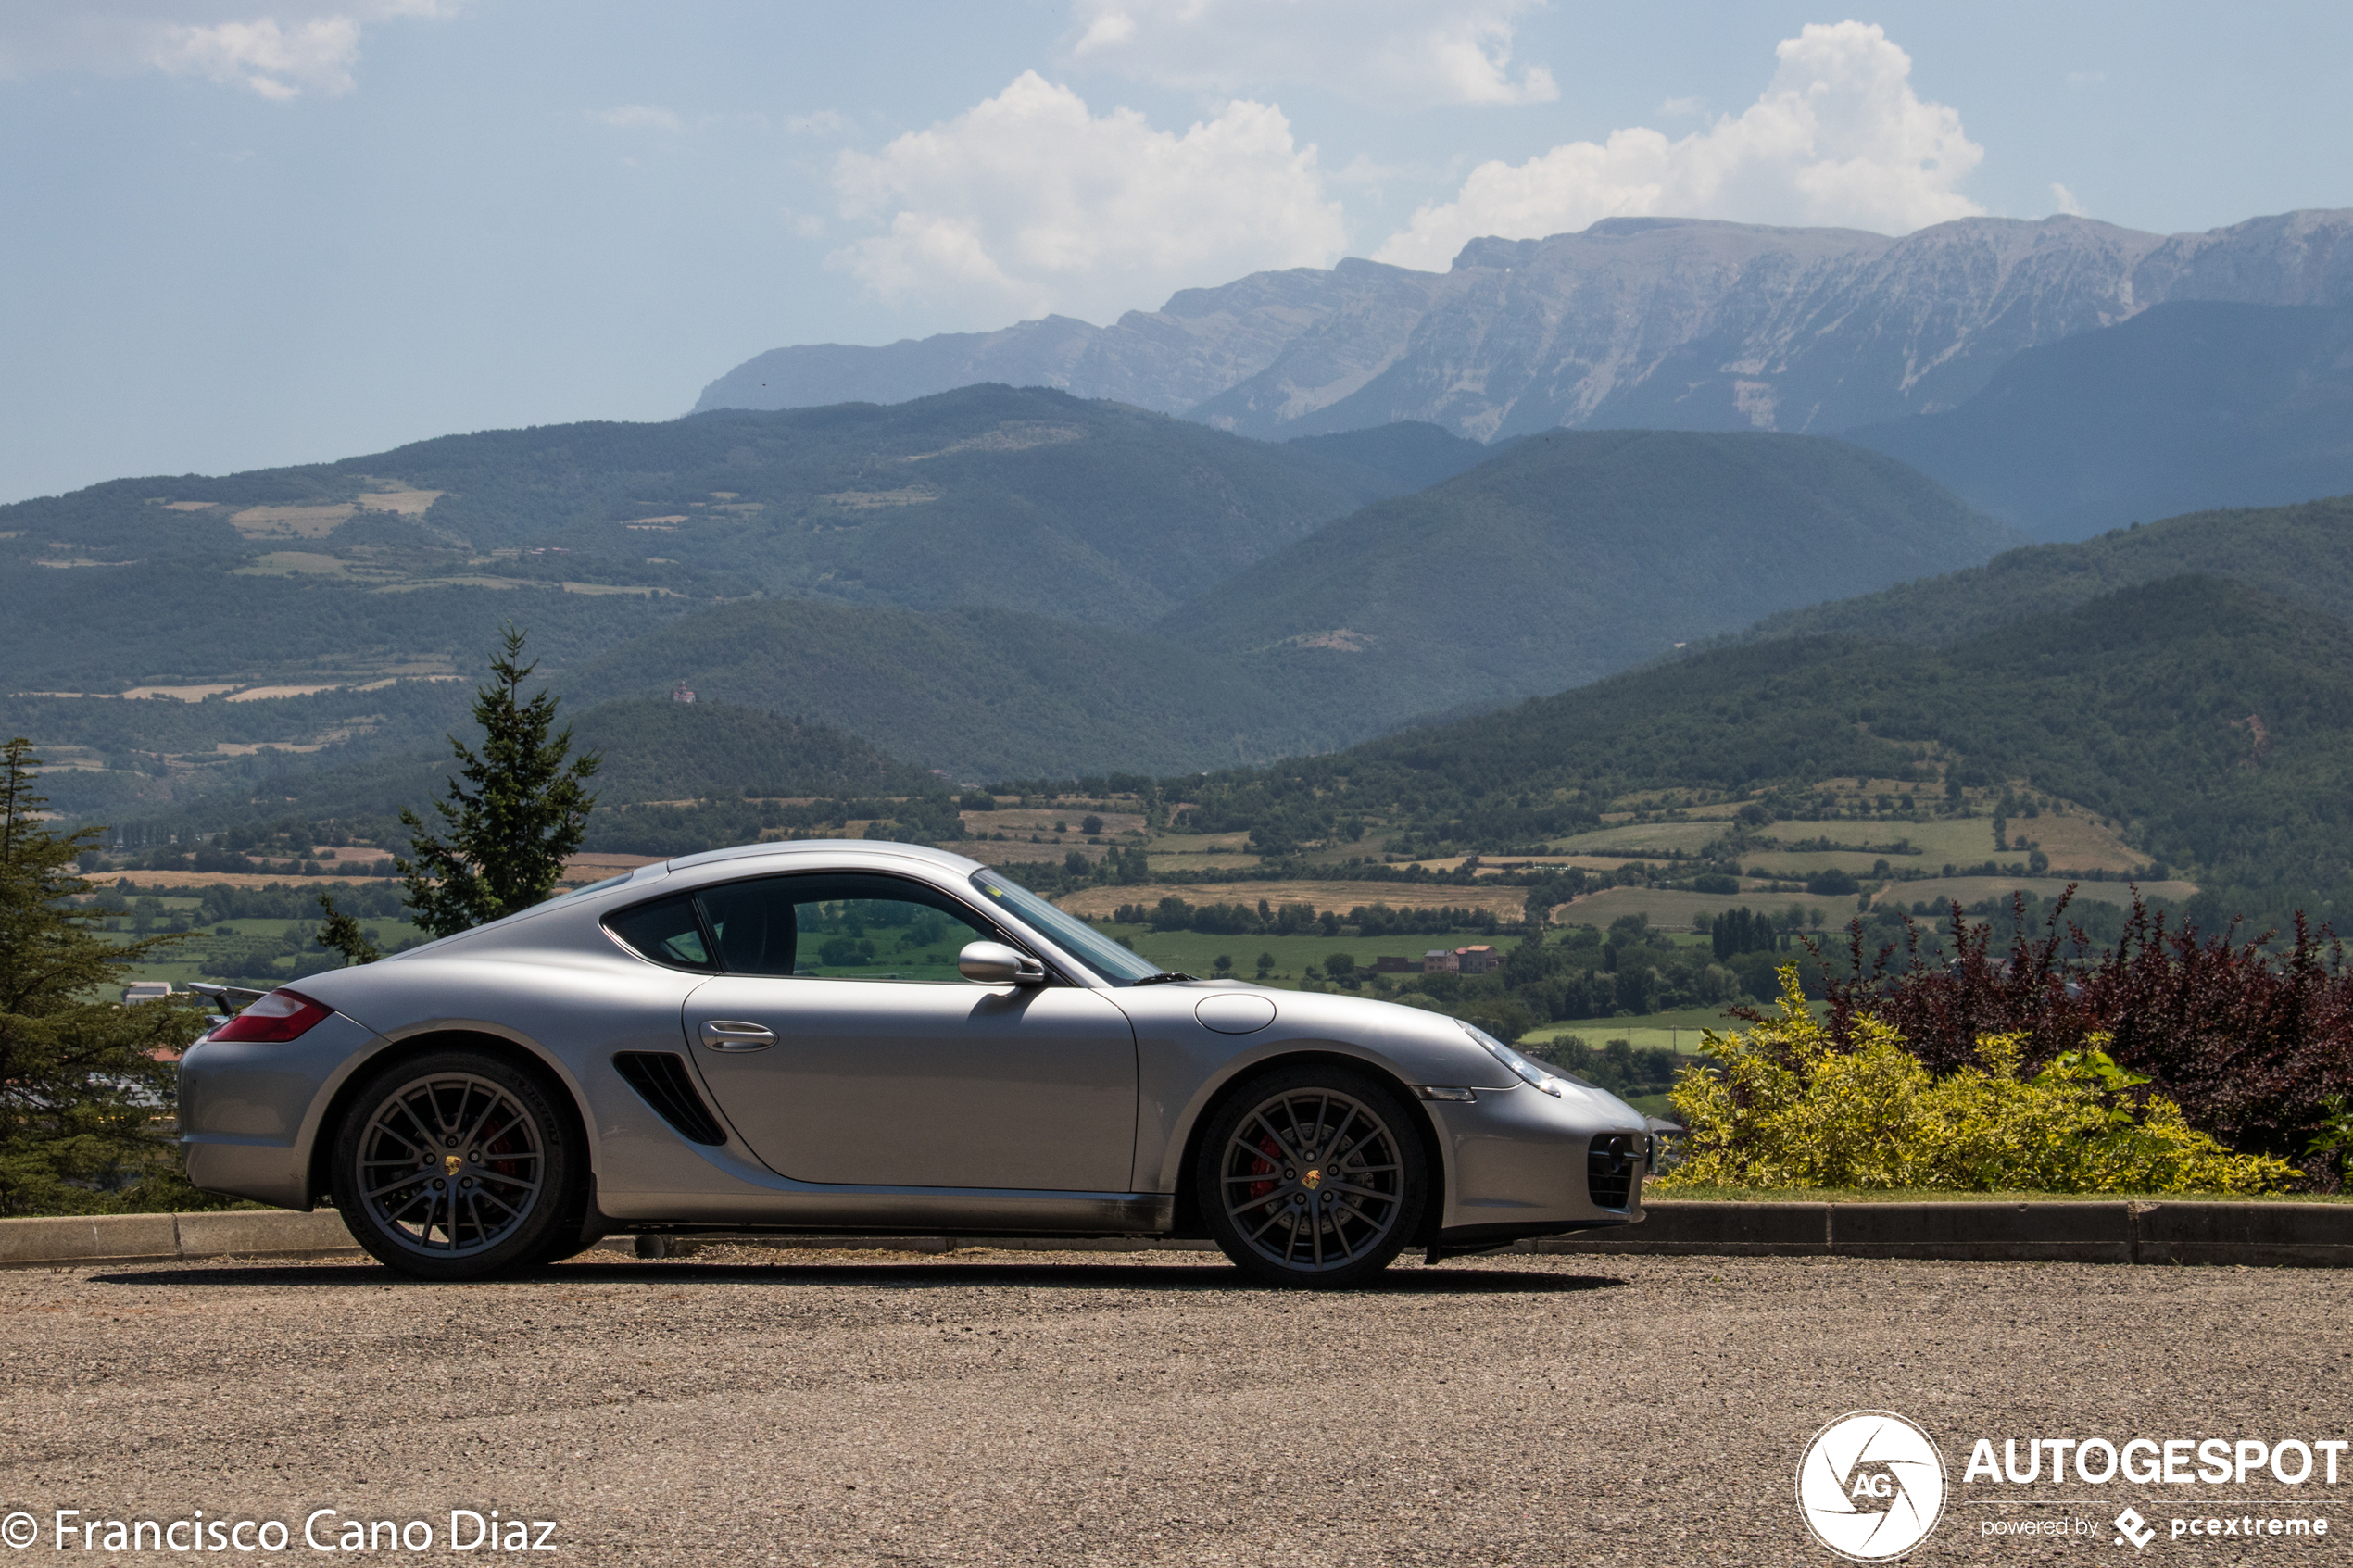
(1677, 1031)
(1189, 952)
(1936, 1194)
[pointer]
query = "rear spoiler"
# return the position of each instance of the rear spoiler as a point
(228, 1000)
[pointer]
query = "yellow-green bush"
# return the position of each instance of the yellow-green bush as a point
(1786, 1108)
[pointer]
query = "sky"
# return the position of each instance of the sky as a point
(241, 233)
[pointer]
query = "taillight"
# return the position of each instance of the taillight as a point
(277, 1018)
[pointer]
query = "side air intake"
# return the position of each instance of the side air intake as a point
(662, 1078)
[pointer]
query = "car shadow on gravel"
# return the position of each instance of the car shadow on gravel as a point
(1175, 1279)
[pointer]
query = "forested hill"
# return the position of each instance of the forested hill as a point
(654, 749)
(2213, 721)
(1028, 499)
(985, 692)
(651, 752)
(1571, 554)
(2301, 552)
(2185, 407)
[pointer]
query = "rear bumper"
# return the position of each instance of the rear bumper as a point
(250, 1110)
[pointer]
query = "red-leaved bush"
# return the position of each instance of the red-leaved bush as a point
(2248, 1040)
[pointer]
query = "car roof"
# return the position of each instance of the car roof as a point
(800, 847)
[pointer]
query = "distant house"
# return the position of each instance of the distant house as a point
(1438, 960)
(682, 693)
(146, 990)
(1394, 963)
(1475, 959)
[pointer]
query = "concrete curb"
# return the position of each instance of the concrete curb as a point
(82, 1241)
(2253, 1235)
(2250, 1234)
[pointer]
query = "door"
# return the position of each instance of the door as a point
(846, 1048)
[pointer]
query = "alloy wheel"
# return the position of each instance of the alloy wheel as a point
(1312, 1180)
(451, 1164)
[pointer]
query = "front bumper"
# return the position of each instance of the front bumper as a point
(1517, 1162)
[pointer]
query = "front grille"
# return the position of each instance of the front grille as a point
(662, 1078)
(1610, 1165)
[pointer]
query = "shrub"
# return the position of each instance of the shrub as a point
(1792, 1106)
(2249, 1042)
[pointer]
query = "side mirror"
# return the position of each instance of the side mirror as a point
(993, 963)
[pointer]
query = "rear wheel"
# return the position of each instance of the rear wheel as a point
(1313, 1177)
(455, 1166)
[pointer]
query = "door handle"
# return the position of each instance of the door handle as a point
(726, 1035)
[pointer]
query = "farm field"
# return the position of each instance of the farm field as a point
(1972, 889)
(1671, 911)
(1192, 952)
(1642, 839)
(2076, 841)
(187, 960)
(1100, 903)
(1802, 863)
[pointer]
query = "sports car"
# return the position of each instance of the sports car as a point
(880, 1039)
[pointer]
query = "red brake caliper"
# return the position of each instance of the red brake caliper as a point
(1264, 1167)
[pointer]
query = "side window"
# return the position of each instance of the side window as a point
(665, 931)
(840, 927)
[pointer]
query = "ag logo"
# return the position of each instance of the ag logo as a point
(1871, 1485)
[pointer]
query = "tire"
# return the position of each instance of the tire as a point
(1267, 1164)
(492, 1169)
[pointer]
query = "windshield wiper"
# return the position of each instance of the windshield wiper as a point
(1163, 978)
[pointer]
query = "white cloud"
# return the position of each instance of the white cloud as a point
(639, 117)
(2065, 201)
(1838, 138)
(1406, 54)
(1029, 200)
(276, 48)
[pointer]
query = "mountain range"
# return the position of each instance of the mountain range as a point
(1657, 322)
(992, 580)
(2184, 407)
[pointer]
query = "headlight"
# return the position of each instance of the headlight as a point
(1534, 1076)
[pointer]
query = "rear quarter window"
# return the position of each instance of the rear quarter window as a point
(666, 930)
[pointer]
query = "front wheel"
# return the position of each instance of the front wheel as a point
(1313, 1177)
(454, 1166)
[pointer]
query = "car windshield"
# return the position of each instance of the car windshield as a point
(1075, 936)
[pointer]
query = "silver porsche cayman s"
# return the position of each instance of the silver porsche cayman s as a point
(878, 1038)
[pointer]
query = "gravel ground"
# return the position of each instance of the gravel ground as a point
(990, 1407)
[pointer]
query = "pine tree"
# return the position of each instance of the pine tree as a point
(505, 844)
(82, 1080)
(338, 932)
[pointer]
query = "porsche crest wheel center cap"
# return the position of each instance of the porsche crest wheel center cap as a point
(451, 1163)
(1309, 1180)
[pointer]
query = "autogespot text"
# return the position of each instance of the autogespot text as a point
(321, 1530)
(2157, 1462)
